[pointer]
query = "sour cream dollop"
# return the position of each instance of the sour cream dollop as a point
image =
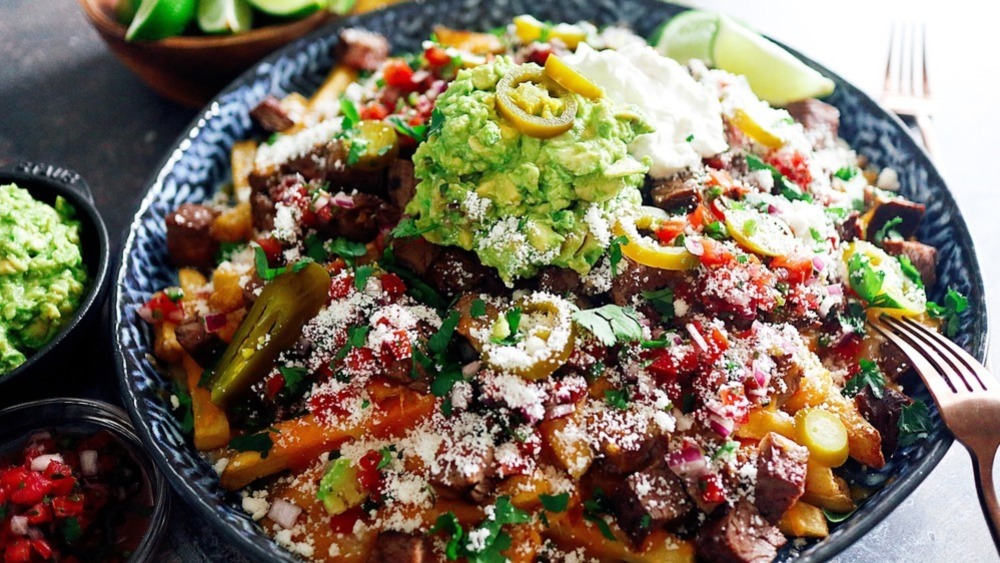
(686, 115)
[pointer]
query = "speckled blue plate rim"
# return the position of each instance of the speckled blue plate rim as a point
(923, 456)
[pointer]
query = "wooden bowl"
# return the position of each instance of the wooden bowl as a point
(190, 70)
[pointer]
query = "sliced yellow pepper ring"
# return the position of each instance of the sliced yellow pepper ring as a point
(567, 77)
(759, 232)
(528, 29)
(755, 130)
(541, 343)
(648, 252)
(533, 125)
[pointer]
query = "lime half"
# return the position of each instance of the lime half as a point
(224, 16)
(288, 8)
(157, 19)
(689, 35)
(774, 74)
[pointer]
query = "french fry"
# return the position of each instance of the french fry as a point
(524, 490)
(560, 439)
(227, 295)
(211, 426)
(572, 532)
(864, 440)
(826, 490)
(525, 542)
(191, 281)
(763, 421)
(234, 224)
(165, 345)
(803, 520)
(242, 157)
(326, 101)
(471, 41)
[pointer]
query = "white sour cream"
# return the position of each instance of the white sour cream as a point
(670, 99)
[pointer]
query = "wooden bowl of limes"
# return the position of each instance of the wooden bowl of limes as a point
(188, 50)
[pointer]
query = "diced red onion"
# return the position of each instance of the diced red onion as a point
(834, 289)
(215, 322)
(321, 201)
(35, 534)
(694, 246)
(437, 87)
(687, 462)
(41, 462)
(343, 200)
(559, 411)
(773, 209)
(19, 525)
(760, 376)
(697, 337)
(471, 368)
(284, 513)
(420, 76)
(88, 462)
(818, 263)
(721, 425)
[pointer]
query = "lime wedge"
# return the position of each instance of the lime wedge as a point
(288, 8)
(224, 16)
(125, 10)
(157, 19)
(688, 35)
(774, 74)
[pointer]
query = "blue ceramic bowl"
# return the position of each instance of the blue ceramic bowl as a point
(199, 162)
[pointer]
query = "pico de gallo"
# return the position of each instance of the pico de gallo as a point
(71, 497)
(497, 300)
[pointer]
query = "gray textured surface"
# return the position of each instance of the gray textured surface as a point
(65, 99)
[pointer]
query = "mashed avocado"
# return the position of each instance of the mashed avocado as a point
(42, 277)
(521, 202)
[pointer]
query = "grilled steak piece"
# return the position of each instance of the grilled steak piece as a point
(922, 256)
(362, 222)
(361, 49)
(887, 209)
(401, 184)
(459, 477)
(649, 499)
(198, 342)
(416, 254)
(815, 115)
(397, 547)
(852, 228)
(781, 475)
(742, 535)
(634, 278)
(883, 414)
(188, 236)
(271, 116)
(677, 193)
(559, 281)
(457, 271)
(892, 362)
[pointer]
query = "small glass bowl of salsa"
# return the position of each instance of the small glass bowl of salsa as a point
(75, 485)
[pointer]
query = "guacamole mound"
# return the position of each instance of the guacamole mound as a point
(520, 202)
(42, 277)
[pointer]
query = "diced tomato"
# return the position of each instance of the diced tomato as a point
(697, 217)
(793, 269)
(41, 513)
(160, 307)
(715, 254)
(66, 506)
(399, 347)
(13, 477)
(324, 214)
(668, 232)
(274, 384)
(344, 522)
(668, 365)
(436, 56)
(61, 476)
(397, 73)
(712, 490)
(326, 406)
(33, 489)
(360, 360)
(793, 165)
(42, 548)
(341, 286)
(368, 473)
(374, 110)
(271, 248)
(393, 285)
(739, 405)
(18, 551)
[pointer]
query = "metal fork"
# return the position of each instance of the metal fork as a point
(907, 92)
(967, 396)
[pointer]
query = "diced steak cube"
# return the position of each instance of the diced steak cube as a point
(887, 209)
(892, 362)
(197, 341)
(883, 414)
(677, 193)
(851, 229)
(460, 473)
(815, 115)
(458, 271)
(634, 278)
(401, 184)
(416, 254)
(361, 49)
(188, 236)
(649, 499)
(271, 116)
(742, 535)
(781, 475)
(397, 547)
(362, 222)
(922, 256)
(559, 281)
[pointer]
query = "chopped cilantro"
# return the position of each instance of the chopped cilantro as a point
(437, 121)
(261, 443)
(615, 252)
(749, 227)
(407, 228)
(725, 450)
(361, 275)
(415, 287)
(617, 398)
(478, 308)
(227, 250)
(662, 300)
(888, 231)
(185, 412)
(788, 189)
(846, 173)
(554, 503)
(357, 148)
(717, 230)
(266, 272)
(955, 304)
(910, 271)
(416, 132)
(610, 324)
(492, 544)
(438, 343)
(295, 378)
(273, 138)
(71, 530)
(869, 375)
(356, 338)
(346, 249)
(689, 138)
(646, 521)
(445, 380)
(386, 454)
(350, 112)
(594, 508)
(914, 423)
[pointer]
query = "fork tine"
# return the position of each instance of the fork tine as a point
(923, 59)
(945, 362)
(983, 377)
(939, 386)
(887, 88)
(913, 58)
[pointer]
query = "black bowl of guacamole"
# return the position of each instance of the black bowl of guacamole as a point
(67, 193)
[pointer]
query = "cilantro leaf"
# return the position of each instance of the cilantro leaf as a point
(361, 275)
(869, 375)
(386, 454)
(910, 271)
(788, 189)
(725, 450)
(445, 380)
(478, 308)
(914, 423)
(356, 338)
(610, 324)
(350, 113)
(888, 231)
(185, 412)
(407, 228)
(346, 249)
(448, 523)
(437, 122)
(513, 319)
(71, 530)
(662, 300)
(416, 132)
(261, 443)
(356, 150)
(846, 173)
(490, 546)
(955, 304)
(264, 270)
(718, 230)
(594, 508)
(554, 503)
(438, 343)
(615, 252)
(294, 378)
(617, 398)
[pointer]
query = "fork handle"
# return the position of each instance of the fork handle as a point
(987, 491)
